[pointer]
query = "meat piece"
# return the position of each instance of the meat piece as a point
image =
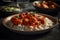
(45, 6)
(34, 18)
(16, 21)
(53, 6)
(26, 22)
(13, 18)
(26, 19)
(41, 19)
(21, 16)
(44, 2)
(38, 4)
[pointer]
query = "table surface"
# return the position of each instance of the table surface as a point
(54, 34)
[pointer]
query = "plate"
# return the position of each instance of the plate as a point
(7, 19)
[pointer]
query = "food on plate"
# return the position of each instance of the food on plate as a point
(30, 21)
(11, 9)
(44, 4)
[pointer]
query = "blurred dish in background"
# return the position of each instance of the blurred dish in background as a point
(44, 4)
(11, 9)
(48, 7)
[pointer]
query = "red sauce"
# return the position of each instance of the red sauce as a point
(28, 20)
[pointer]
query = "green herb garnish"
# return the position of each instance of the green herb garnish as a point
(11, 9)
(32, 13)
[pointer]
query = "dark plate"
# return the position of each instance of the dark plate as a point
(7, 19)
(53, 11)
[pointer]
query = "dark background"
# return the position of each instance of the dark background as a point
(6, 34)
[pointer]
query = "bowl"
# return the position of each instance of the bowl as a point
(50, 11)
(10, 9)
(7, 19)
